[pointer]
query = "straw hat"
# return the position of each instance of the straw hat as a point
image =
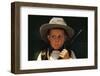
(55, 22)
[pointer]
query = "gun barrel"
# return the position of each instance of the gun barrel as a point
(76, 36)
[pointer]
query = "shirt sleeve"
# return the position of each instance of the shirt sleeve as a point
(39, 57)
(73, 55)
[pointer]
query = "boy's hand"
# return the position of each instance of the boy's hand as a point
(64, 54)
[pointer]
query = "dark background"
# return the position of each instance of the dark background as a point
(35, 43)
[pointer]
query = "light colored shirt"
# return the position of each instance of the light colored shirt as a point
(55, 55)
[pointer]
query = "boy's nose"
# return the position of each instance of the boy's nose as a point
(56, 40)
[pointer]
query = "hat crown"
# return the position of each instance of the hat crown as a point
(59, 21)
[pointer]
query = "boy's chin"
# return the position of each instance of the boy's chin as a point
(56, 48)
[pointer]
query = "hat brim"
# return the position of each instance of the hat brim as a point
(44, 29)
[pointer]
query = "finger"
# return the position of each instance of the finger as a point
(61, 55)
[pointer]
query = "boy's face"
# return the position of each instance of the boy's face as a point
(56, 38)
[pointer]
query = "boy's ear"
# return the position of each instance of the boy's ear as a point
(48, 37)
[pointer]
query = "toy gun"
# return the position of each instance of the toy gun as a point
(69, 43)
(73, 39)
(68, 46)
